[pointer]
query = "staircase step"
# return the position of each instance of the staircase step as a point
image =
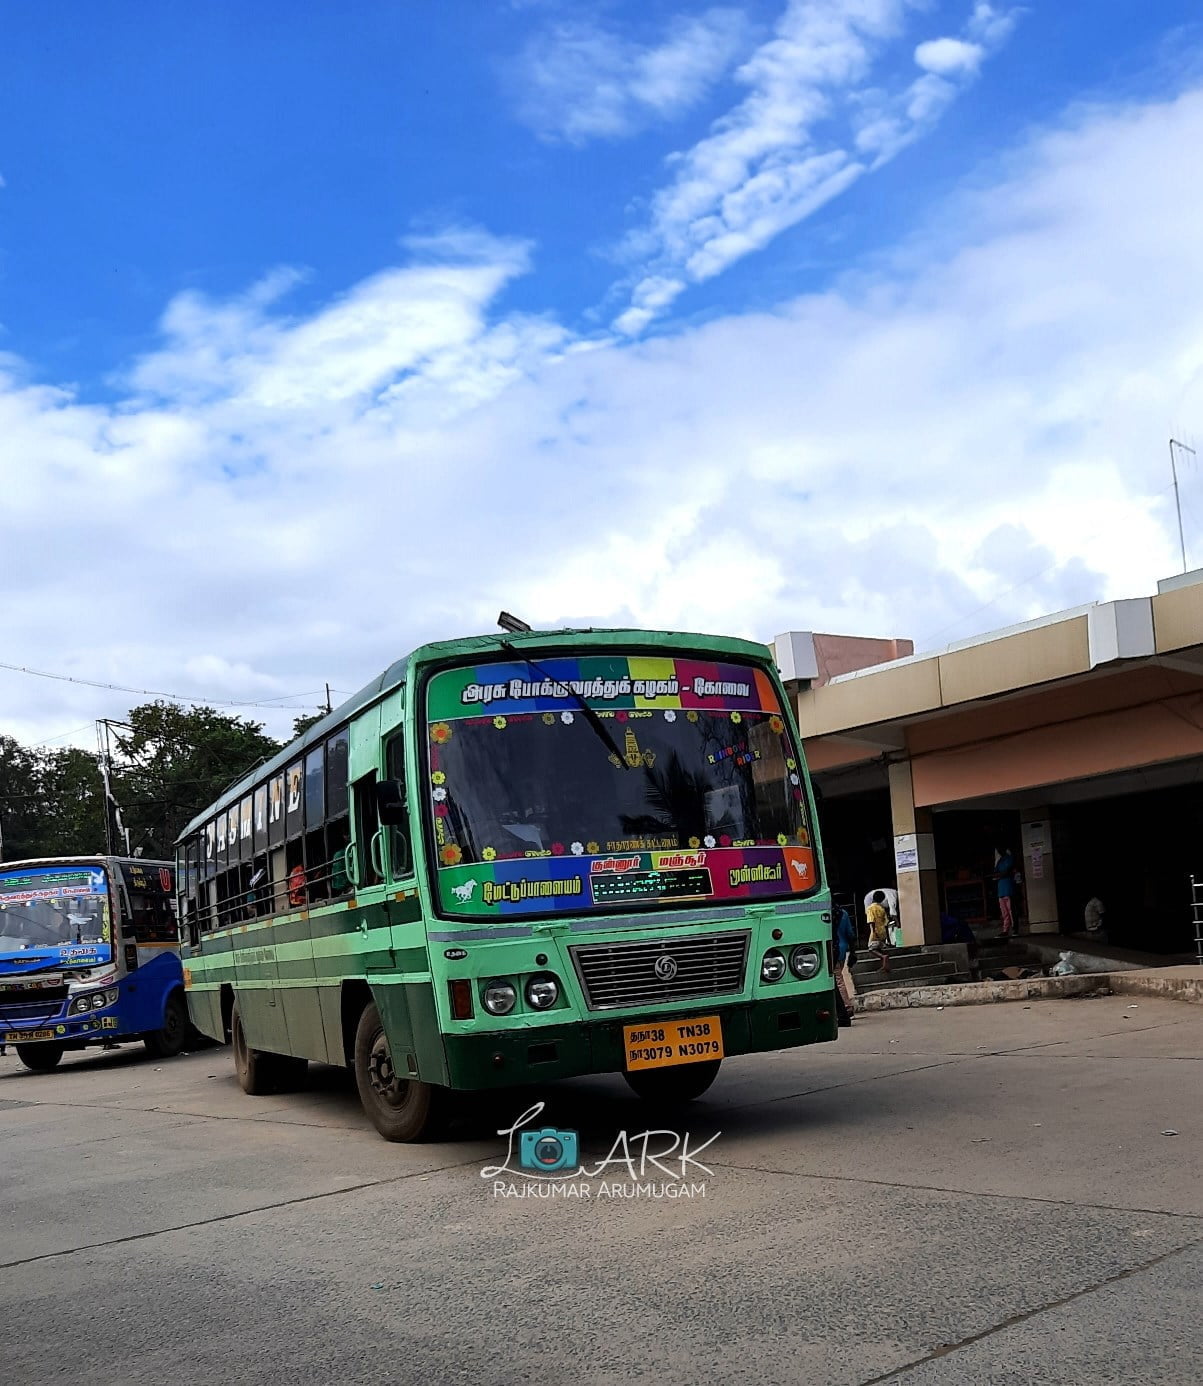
(937, 972)
(899, 962)
(911, 983)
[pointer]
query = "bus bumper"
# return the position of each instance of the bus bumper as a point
(511, 1058)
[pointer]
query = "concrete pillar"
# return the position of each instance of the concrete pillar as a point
(914, 861)
(1039, 870)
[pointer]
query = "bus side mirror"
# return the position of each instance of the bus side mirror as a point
(390, 802)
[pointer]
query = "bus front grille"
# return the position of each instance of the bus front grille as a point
(31, 1005)
(662, 969)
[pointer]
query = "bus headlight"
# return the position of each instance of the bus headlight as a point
(772, 968)
(805, 961)
(542, 992)
(499, 998)
(92, 1001)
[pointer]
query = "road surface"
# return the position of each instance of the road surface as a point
(982, 1194)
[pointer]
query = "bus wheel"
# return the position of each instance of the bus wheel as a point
(40, 1057)
(401, 1109)
(680, 1083)
(167, 1042)
(260, 1073)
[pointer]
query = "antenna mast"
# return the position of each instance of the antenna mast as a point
(1174, 443)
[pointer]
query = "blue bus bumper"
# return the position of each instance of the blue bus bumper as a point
(138, 1010)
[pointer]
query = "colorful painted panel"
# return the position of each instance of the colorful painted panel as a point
(612, 783)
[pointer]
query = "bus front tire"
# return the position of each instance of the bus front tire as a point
(669, 1086)
(41, 1058)
(169, 1041)
(401, 1109)
(261, 1073)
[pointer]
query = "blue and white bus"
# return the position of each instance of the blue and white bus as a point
(89, 955)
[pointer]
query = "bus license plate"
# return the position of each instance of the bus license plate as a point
(658, 1043)
(20, 1036)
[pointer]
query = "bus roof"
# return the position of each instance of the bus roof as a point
(450, 651)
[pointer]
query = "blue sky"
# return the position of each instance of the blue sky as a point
(682, 305)
(148, 148)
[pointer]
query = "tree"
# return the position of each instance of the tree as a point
(168, 763)
(21, 810)
(72, 804)
(172, 761)
(300, 725)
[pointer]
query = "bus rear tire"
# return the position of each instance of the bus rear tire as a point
(169, 1041)
(259, 1072)
(41, 1058)
(401, 1109)
(670, 1086)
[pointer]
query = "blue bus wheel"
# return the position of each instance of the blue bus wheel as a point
(167, 1042)
(40, 1057)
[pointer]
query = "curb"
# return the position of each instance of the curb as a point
(1170, 984)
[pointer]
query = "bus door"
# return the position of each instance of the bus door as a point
(149, 942)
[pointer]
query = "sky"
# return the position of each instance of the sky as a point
(326, 330)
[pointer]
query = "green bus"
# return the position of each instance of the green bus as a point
(513, 858)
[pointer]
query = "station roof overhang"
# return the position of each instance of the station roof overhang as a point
(1096, 690)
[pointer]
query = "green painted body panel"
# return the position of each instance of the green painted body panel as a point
(289, 973)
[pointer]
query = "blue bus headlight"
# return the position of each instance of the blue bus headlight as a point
(542, 992)
(805, 961)
(499, 998)
(92, 1001)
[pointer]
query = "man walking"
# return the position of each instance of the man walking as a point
(879, 928)
(843, 938)
(1004, 874)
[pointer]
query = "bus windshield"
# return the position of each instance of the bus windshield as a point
(54, 914)
(659, 796)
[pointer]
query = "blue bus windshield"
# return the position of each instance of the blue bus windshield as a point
(54, 915)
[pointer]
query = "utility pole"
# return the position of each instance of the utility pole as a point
(112, 814)
(1174, 443)
(329, 704)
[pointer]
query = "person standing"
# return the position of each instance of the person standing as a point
(843, 938)
(1004, 874)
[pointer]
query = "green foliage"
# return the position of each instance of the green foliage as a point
(72, 799)
(172, 761)
(20, 800)
(300, 725)
(168, 763)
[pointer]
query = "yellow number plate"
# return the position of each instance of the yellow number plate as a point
(19, 1036)
(658, 1043)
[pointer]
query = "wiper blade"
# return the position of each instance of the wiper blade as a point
(595, 722)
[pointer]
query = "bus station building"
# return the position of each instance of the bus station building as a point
(1075, 740)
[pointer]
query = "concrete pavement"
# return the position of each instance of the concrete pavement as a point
(978, 1194)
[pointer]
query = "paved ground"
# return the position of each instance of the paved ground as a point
(973, 1195)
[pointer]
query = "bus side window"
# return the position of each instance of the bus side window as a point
(152, 920)
(394, 810)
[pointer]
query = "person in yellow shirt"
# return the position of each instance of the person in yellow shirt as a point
(879, 928)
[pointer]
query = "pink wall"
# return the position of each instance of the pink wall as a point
(843, 654)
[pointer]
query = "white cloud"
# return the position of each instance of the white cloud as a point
(809, 127)
(949, 57)
(576, 81)
(283, 499)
